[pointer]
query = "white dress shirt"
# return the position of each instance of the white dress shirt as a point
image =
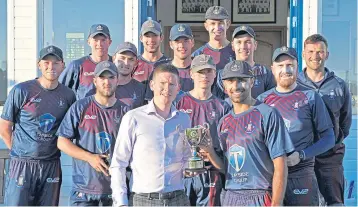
(155, 150)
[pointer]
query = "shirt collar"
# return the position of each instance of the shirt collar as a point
(151, 109)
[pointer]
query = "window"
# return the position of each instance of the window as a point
(3, 51)
(66, 23)
(339, 26)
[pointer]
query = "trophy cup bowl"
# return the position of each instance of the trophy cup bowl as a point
(194, 136)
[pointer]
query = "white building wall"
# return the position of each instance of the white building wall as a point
(22, 40)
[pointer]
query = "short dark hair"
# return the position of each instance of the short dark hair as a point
(315, 38)
(165, 68)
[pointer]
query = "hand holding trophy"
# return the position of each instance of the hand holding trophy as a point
(196, 137)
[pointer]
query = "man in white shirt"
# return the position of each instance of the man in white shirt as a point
(151, 142)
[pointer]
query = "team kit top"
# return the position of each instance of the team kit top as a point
(221, 57)
(250, 141)
(94, 128)
(203, 112)
(304, 115)
(79, 75)
(36, 113)
(145, 68)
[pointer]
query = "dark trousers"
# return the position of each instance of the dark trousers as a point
(331, 183)
(33, 182)
(143, 200)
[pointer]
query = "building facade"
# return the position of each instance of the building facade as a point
(26, 26)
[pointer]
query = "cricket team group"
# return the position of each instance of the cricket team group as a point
(272, 136)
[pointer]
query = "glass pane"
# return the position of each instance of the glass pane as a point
(339, 26)
(67, 23)
(3, 51)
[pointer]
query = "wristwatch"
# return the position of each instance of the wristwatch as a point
(301, 155)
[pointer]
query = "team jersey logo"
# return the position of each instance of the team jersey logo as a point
(46, 122)
(35, 100)
(257, 82)
(187, 111)
(332, 94)
(90, 117)
(250, 128)
(103, 142)
(237, 157)
(212, 114)
(61, 103)
(295, 106)
(134, 97)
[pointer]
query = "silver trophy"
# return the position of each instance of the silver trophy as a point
(194, 136)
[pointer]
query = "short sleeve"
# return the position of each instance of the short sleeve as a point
(13, 104)
(69, 125)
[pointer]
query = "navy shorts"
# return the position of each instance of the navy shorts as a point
(246, 198)
(86, 199)
(204, 189)
(33, 182)
(302, 191)
(331, 184)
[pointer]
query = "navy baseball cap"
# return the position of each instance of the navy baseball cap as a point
(180, 30)
(51, 50)
(99, 29)
(216, 12)
(244, 29)
(201, 62)
(284, 51)
(127, 46)
(151, 26)
(237, 69)
(105, 66)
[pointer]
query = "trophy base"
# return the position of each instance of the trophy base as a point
(198, 170)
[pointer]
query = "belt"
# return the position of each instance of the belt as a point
(162, 196)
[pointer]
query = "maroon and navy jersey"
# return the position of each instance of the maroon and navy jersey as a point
(264, 80)
(132, 93)
(250, 141)
(36, 113)
(145, 68)
(186, 83)
(79, 75)
(94, 128)
(304, 114)
(221, 58)
(203, 112)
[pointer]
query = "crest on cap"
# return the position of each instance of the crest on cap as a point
(243, 27)
(204, 59)
(235, 67)
(50, 49)
(150, 23)
(181, 28)
(106, 65)
(284, 49)
(99, 27)
(216, 10)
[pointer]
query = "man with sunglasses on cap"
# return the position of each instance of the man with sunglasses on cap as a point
(78, 75)
(307, 120)
(88, 134)
(205, 111)
(31, 116)
(217, 23)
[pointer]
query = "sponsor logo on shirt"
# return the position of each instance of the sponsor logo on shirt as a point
(187, 111)
(250, 128)
(139, 73)
(46, 122)
(35, 100)
(237, 157)
(300, 191)
(53, 180)
(90, 117)
(88, 73)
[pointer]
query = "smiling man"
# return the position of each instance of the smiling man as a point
(88, 134)
(79, 74)
(32, 114)
(217, 23)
